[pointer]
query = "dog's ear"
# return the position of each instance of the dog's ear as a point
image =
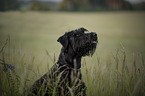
(82, 29)
(63, 40)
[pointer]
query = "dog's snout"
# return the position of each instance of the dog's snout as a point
(93, 36)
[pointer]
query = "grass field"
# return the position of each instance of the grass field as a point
(116, 68)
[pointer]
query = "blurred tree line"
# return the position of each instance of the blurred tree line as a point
(139, 6)
(88, 5)
(8, 5)
(37, 5)
(70, 5)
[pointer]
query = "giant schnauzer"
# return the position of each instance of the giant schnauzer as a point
(64, 78)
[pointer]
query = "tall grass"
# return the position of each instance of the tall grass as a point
(117, 76)
(114, 76)
(15, 70)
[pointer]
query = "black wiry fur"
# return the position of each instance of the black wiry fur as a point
(64, 78)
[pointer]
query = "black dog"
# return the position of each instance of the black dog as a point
(64, 78)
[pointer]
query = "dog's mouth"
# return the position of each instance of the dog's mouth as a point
(92, 48)
(94, 42)
(88, 49)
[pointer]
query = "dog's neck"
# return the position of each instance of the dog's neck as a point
(69, 59)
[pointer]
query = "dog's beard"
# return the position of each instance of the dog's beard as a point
(86, 50)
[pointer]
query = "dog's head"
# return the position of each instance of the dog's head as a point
(80, 41)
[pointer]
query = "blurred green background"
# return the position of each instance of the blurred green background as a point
(33, 27)
(38, 31)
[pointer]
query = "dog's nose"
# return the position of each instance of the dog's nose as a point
(93, 36)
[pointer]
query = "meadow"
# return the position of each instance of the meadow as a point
(29, 47)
